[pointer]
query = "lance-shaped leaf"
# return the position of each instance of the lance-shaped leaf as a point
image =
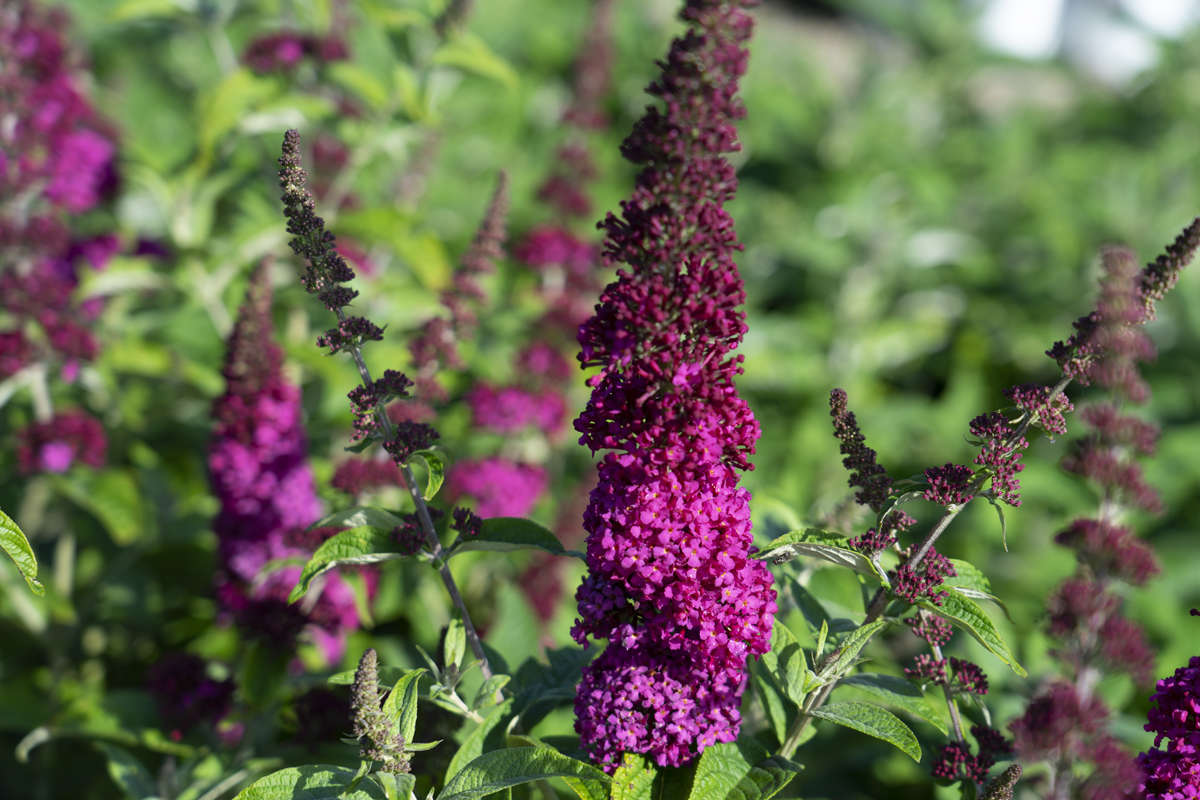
(817, 543)
(851, 646)
(16, 547)
(500, 769)
(739, 771)
(365, 545)
(899, 693)
(472, 746)
(359, 517)
(966, 614)
(513, 533)
(873, 721)
(786, 663)
(435, 471)
(401, 703)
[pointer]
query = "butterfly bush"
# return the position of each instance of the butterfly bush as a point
(258, 466)
(671, 584)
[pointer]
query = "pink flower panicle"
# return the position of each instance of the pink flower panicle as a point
(260, 474)
(1171, 771)
(671, 584)
(915, 584)
(283, 51)
(949, 485)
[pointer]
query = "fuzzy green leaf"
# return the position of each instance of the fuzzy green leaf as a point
(501, 769)
(435, 471)
(896, 692)
(365, 545)
(816, 543)
(312, 782)
(851, 646)
(401, 703)
(873, 721)
(967, 614)
(16, 547)
(513, 533)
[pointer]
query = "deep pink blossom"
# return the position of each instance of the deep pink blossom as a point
(670, 582)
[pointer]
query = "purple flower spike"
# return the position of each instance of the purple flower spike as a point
(671, 584)
(259, 471)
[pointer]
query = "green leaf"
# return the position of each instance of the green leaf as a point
(772, 697)
(539, 688)
(817, 543)
(851, 646)
(312, 782)
(132, 10)
(500, 769)
(359, 517)
(765, 779)
(873, 721)
(897, 693)
(487, 691)
(360, 82)
(128, 773)
(16, 547)
(967, 614)
(112, 496)
(634, 779)
(967, 575)
(513, 533)
(472, 746)
(435, 471)
(786, 663)
(740, 771)
(220, 108)
(401, 703)
(470, 53)
(455, 645)
(365, 545)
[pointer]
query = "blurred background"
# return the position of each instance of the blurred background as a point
(926, 186)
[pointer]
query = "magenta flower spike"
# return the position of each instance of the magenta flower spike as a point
(258, 465)
(671, 583)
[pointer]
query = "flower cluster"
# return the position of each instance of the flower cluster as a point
(999, 454)
(921, 582)
(949, 485)
(671, 584)
(68, 438)
(1172, 772)
(259, 472)
(283, 51)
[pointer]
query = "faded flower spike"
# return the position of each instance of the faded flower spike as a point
(326, 268)
(671, 583)
(378, 738)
